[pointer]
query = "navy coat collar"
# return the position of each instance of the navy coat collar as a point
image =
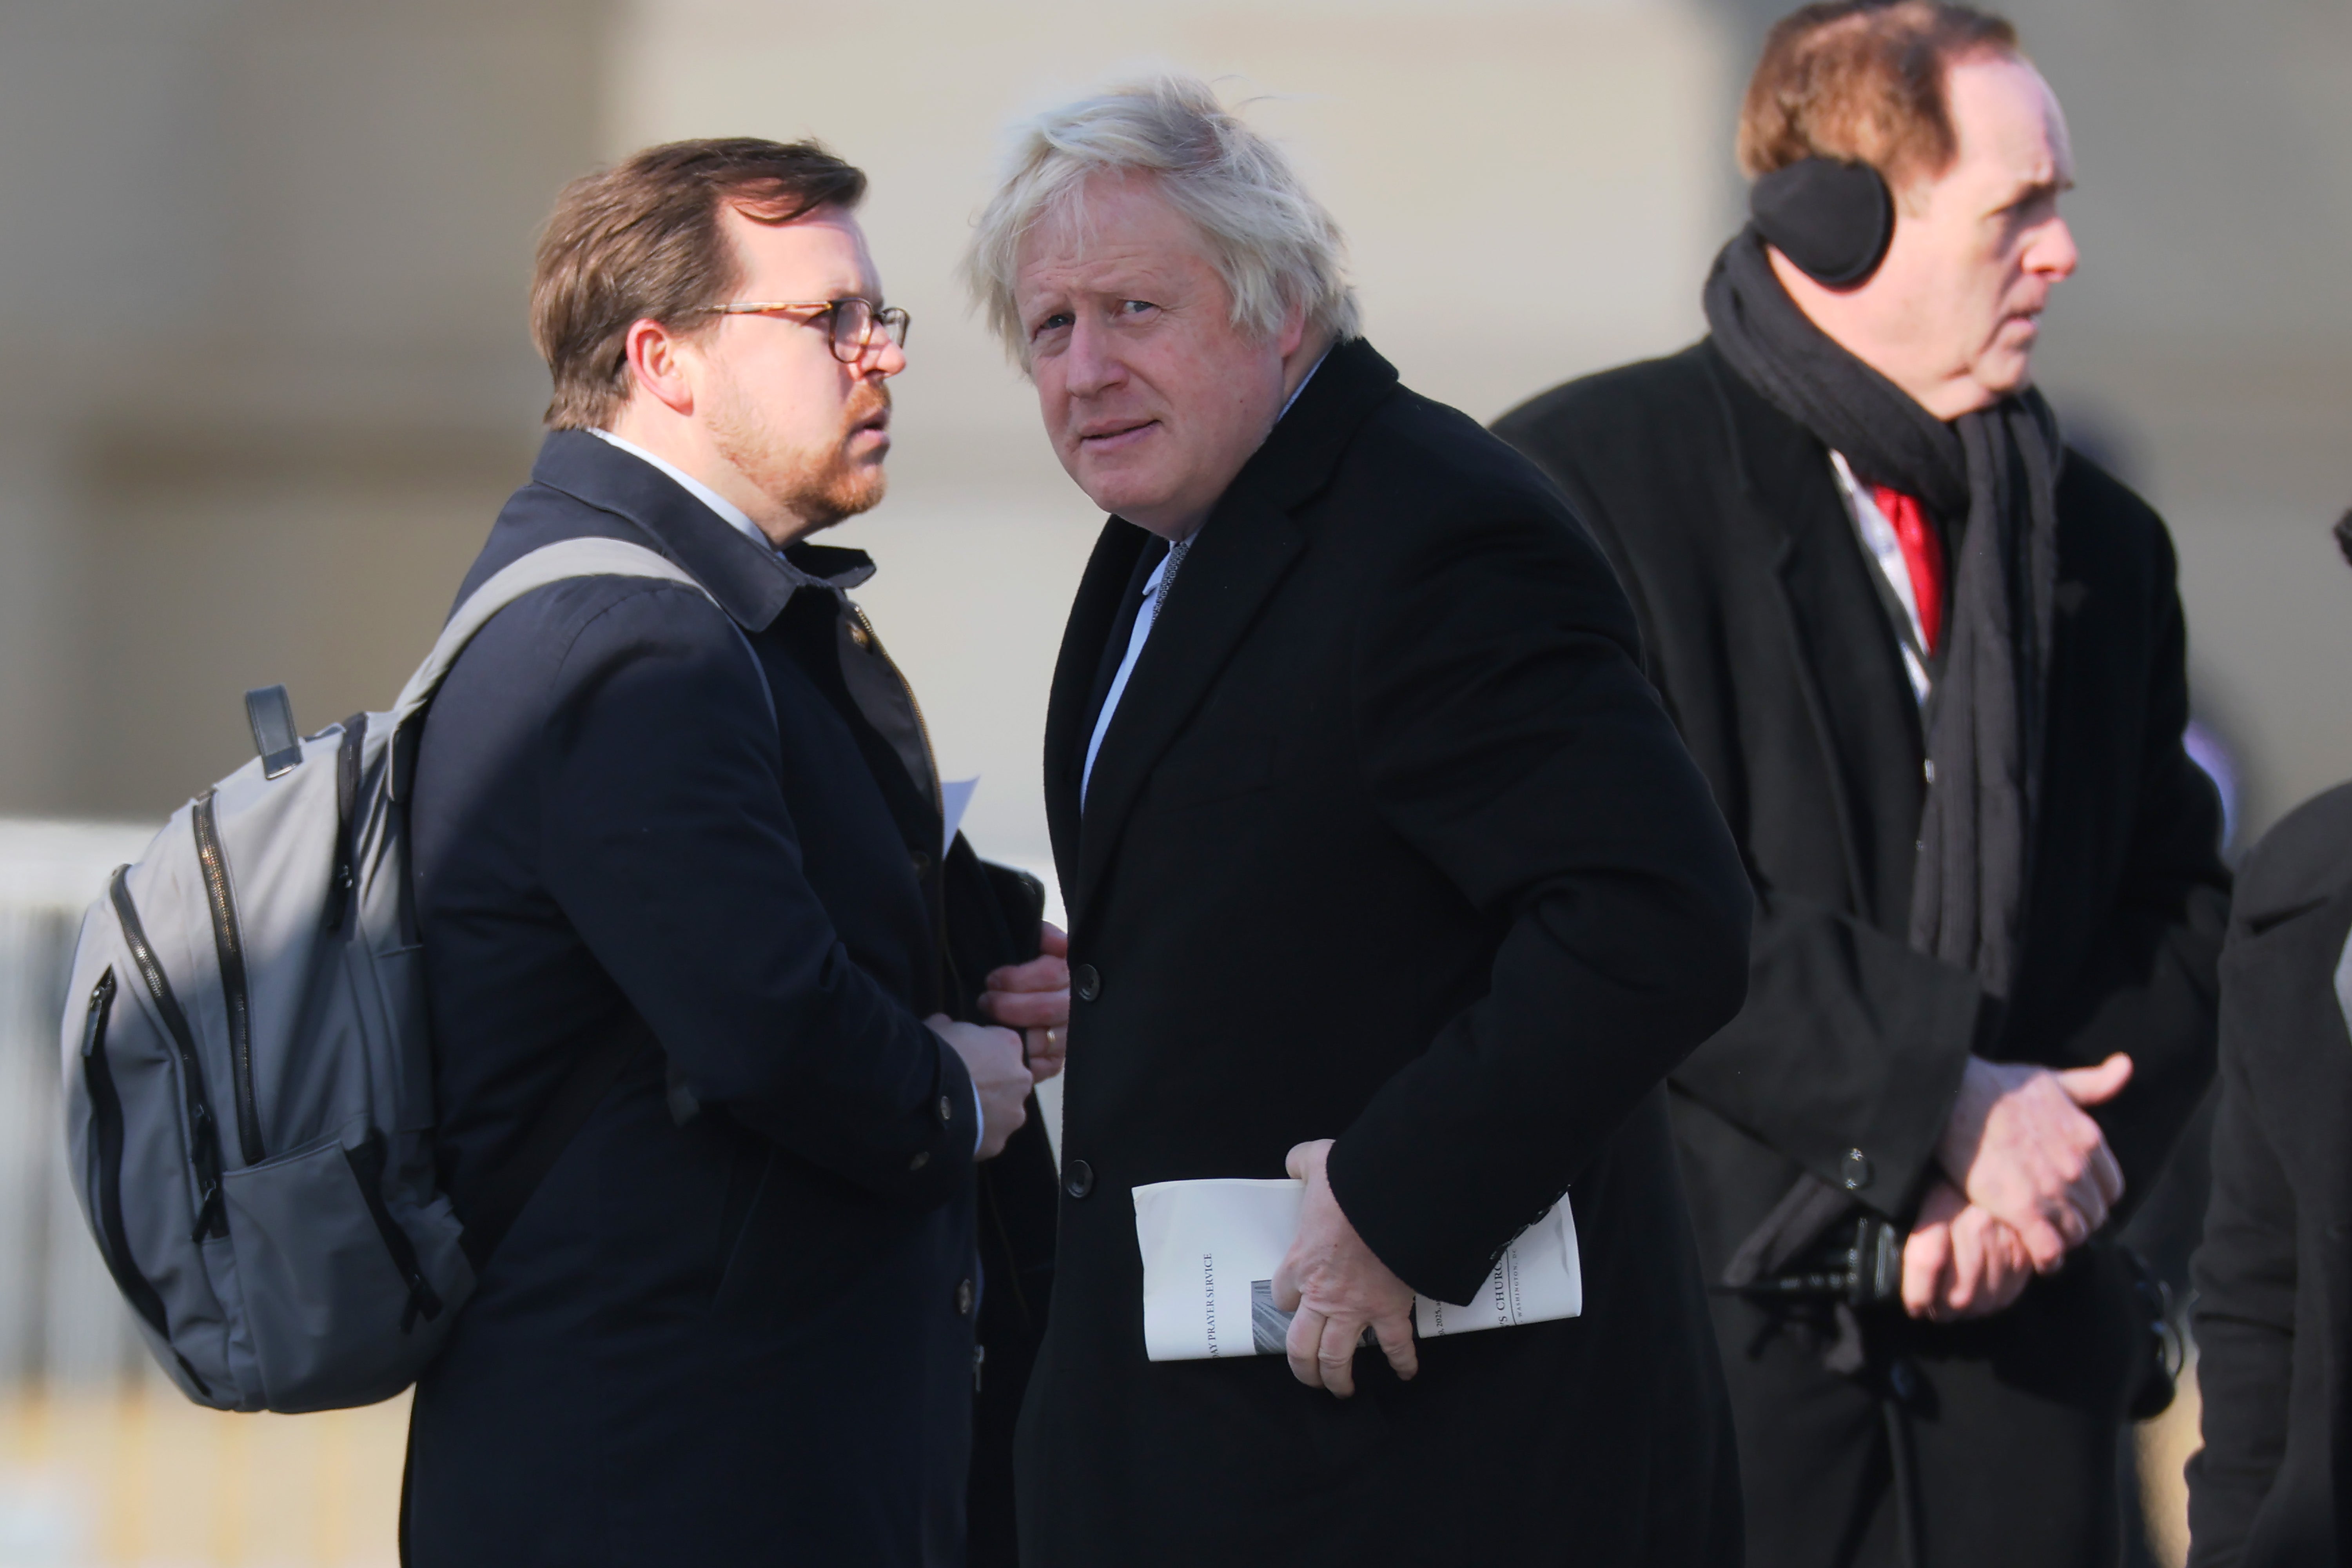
(752, 585)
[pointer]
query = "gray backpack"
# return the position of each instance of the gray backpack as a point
(248, 1083)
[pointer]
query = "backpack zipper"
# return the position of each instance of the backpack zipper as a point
(106, 1157)
(106, 1186)
(234, 997)
(212, 1219)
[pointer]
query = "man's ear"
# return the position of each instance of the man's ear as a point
(657, 360)
(1294, 330)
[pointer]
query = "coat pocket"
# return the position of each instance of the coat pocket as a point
(806, 1241)
(1205, 773)
(339, 1309)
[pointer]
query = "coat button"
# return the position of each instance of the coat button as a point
(1086, 981)
(921, 1159)
(1854, 1170)
(1080, 1179)
(920, 862)
(947, 1109)
(963, 1300)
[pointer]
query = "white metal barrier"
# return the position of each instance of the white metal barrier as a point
(61, 1321)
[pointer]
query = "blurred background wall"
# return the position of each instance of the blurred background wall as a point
(262, 277)
(263, 262)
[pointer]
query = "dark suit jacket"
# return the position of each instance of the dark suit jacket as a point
(2273, 1485)
(747, 1338)
(1387, 841)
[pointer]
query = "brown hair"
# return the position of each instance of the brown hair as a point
(642, 240)
(1861, 81)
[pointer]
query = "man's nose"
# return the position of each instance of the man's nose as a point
(1089, 364)
(886, 360)
(2055, 254)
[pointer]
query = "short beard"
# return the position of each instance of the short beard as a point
(821, 488)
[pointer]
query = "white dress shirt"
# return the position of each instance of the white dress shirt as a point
(735, 515)
(1878, 538)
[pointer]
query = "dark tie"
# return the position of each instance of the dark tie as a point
(1176, 552)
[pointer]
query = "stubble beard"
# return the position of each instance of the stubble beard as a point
(821, 486)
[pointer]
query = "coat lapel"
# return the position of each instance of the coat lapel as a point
(1863, 715)
(1092, 615)
(1241, 553)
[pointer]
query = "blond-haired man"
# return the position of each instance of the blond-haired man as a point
(1385, 870)
(1931, 661)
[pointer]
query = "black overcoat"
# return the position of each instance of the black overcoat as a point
(2272, 1486)
(1772, 647)
(747, 1338)
(1387, 841)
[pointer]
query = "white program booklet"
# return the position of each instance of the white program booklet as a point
(1210, 1247)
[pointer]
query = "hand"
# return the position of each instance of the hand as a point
(993, 1057)
(1035, 998)
(1960, 1262)
(1337, 1288)
(2019, 1145)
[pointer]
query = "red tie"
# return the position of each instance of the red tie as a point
(1923, 552)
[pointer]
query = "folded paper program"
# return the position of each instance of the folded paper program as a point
(1211, 1248)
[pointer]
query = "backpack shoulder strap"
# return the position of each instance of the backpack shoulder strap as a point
(556, 563)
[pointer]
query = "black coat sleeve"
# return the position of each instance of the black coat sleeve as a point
(669, 845)
(2245, 1277)
(2147, 985)
(1506, 733)
(1849, 1042)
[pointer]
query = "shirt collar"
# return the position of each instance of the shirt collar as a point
(1302, 383)
(735, 515)
(749, 577)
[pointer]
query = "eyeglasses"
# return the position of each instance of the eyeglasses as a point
(850, 322)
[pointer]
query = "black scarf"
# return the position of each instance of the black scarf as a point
(1990, 479)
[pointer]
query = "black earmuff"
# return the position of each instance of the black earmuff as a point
(1834, 220)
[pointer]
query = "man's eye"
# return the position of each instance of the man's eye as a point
(1053, 323)
(1135, 307)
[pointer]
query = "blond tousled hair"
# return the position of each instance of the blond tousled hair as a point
(1272, 242)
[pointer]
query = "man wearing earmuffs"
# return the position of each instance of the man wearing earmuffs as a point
(1931, 660)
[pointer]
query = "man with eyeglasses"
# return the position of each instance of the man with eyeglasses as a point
(725, 1016)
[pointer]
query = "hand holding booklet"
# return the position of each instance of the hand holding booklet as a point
(1211, 1249)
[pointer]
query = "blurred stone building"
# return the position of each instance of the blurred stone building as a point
(263, 263)
(263, 266)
